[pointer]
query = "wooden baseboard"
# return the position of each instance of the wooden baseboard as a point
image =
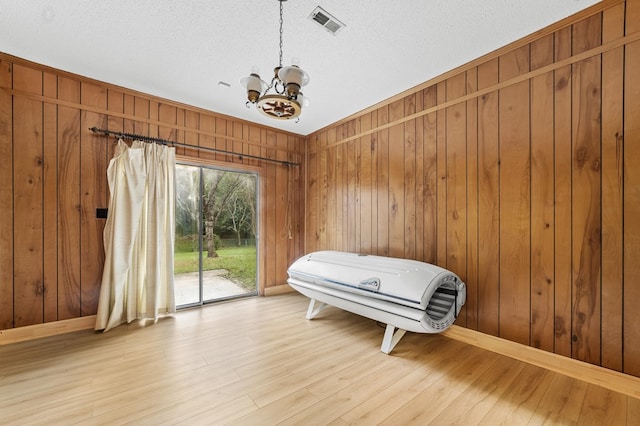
(20, 334)
(609, 379)
(278, 289)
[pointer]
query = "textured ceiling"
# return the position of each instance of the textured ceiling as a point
(180, 50)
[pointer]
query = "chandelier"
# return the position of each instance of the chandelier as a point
(287, 101)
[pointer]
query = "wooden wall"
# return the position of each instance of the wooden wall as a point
(53, 177)
(519, 172)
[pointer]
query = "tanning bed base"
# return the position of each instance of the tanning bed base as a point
(406, 295)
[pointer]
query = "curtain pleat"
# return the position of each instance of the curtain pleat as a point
(137, 280)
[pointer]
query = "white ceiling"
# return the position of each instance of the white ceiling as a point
(180, 50)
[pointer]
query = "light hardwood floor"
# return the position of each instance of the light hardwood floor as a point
(258, 361)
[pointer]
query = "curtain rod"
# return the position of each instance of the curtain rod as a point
(133, 136)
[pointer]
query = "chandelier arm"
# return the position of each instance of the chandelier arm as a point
(279, 91)
(269, 86)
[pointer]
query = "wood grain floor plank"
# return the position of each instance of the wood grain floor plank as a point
(520, 399)
(471, 407)
(280, 409)
(455, 379)
(349, 391)
(562, 403)
(424, 373)
(603, 407)
(220, 365)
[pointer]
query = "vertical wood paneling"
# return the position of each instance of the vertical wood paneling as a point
(340, 191)
(420, 179)
(142, 109)
(253, 134)
(270, 209)
(50, 201)
(344, 201)
(488, 202)
(612, 198)
(254, 148)
(542, 201)
(396, 182)
(631, 155)
(69, 168)
(129, 109)
(323, 200)
(562, 172)
(429, 128)
(366, 186)
(456, 190)
(375, 147)
(57, 179)
(409, 180)
(181, 119)
(115, 104)
(312, 191)
(6, 196)
(283, 211)
(154, 110)
(295, 182)
(332, 213)
(586, 194)
(332, 196)
(191, 138)
(520, 187)
(94, 194)
(296, 152)
(237, 133)
(208, 125)
(28, 300)
(632, 19)
(515, 199)
(316, 234)
(351, 193)
(631, 333)
(383, 183)
(169, 114)
(441, 173)
(220, 142)
(471, 307)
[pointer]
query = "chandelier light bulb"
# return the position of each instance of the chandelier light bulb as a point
(293, 78)
(302, 100)
(254, 85)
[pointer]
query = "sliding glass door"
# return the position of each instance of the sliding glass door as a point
(216, 228)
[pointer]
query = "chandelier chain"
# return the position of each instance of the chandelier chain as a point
(280, 63)
(287, 102)
(274, 80)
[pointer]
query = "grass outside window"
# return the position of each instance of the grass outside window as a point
(240, 262)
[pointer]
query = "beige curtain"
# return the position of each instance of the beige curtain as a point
(137, 280)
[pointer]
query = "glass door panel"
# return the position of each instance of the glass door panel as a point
(187, 240)
(216, 228)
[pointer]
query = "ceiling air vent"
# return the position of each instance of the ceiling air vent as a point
(326, 21)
